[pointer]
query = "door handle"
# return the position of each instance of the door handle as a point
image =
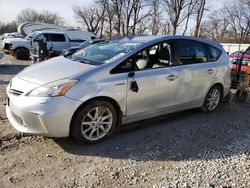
(210, 71)
(171, 77)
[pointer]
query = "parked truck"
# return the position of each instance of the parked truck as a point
(56, 42)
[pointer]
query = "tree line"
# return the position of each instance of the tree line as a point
(115, 18)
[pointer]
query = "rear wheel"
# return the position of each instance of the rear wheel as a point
(212, 99)
(94, 122)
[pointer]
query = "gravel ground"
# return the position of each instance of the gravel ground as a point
(185, 149)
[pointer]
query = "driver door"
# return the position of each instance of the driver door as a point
(155, 80)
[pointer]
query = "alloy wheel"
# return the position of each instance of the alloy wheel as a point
(96, 123)
(213, 99)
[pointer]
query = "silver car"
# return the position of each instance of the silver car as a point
(90, 93)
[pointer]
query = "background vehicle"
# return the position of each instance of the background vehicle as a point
(56, 42)
(85, 44)
(89, 93)
(236, 57)
(241, 77)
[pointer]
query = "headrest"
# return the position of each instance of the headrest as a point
(164, 54)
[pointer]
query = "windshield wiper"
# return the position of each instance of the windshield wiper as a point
(84, 61)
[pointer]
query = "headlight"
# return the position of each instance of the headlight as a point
(53, 89)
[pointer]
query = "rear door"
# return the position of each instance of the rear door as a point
(197, 72)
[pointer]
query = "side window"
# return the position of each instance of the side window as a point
(42, 37)
(214, 53)
(126, 66)
(190, 52)
(57, 38)
(153, 57)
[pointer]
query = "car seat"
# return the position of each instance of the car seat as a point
(142, 62)
(164, 58)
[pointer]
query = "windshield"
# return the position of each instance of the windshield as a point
(32, 35)
(104, 52)
(85, 44)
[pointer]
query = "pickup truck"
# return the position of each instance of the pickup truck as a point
(56, 42)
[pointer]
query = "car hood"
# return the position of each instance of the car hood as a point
(10, 40)
(53, 69)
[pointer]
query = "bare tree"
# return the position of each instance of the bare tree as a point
(155, 17)
(32, 15)
(177, 12)
(239, 17)
(200, 8)
(90, 17)
(216, 27)
(138, 14)
(8, 27)
(190, 10)
(230, 23)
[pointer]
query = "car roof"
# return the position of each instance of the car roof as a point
(156, 38)
(49, 31)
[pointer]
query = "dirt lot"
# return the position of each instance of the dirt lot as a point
(186, 149)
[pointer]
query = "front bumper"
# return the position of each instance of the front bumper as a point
(46, 116)
(7, 48)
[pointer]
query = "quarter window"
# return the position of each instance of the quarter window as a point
(214, 53)
(191, 52)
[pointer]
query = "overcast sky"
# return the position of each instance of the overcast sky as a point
(10, 8)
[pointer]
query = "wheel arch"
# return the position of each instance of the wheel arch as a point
(103, 98)
(20, 47)
(220, 85)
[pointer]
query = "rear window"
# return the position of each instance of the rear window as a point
(214, 53)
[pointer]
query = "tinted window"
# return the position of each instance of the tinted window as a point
(57, 38)
(214, 53)
(191, 52)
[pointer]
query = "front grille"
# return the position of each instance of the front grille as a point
(15, 92)
(7, 46)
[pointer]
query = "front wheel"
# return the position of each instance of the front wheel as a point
(212, 99)
(94, 122)
(21, 54)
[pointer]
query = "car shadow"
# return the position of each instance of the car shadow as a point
(11, 68)
(186, 135)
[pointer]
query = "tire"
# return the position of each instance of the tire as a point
(241, 95)
(21, 54)
(212, 99)
(34, 60)
(89, 126)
